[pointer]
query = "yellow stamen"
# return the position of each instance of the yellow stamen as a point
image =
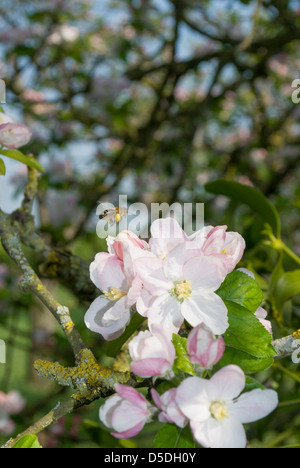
(218, 410)
(114, 294)
(224, 251)
(183, 290)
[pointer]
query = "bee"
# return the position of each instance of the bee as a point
(113, 215)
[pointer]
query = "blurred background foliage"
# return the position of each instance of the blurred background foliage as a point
(153, 99)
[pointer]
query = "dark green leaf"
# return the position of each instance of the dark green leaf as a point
(249, 196)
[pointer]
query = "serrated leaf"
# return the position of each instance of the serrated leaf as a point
(28, 441)
(249, 196)
(240, 288)
(182, 361)
(2, 167)
(28, 160)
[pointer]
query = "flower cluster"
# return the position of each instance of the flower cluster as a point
(172, 281)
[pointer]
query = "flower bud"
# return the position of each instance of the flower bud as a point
(204, 348)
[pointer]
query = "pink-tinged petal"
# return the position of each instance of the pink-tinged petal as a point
(144, 302)
(208, 308)
(134, 291)
(106, 410)
(150, 367)
(107, 271)
(151, 273)
(228, 383)
(130, 254)
(235, 246)
(228, 433)
(204, 273)
(156, 398)
(193, 398)
(127, 416)
(200, 236)
(254, 405)
(261, 314)
(204, 348)
(130, 432)
(168, 405)
(215, 240)
(166, 343)
(115, 245)
(107, 318)
(132, 395)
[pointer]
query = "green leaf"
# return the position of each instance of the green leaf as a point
(18, 156)
(171, 436)
(182, 361)
(245, 361)
(28, 441)
(249, 196)
(246, 333)
(240, 288)
(287, 286)
(114, 347)
(248, 343)
(2, 167)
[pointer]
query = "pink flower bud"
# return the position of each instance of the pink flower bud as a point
(126, 412)
(13, 135)
(204, 348)
(152, 353)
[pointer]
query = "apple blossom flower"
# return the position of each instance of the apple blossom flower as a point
(10, 403)
(152, 353)
(217, 411)
(110, 313)
(14, 135)
(227, 247)
(170, 412)
(204, 349)
(182, 287)
(126, 412)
